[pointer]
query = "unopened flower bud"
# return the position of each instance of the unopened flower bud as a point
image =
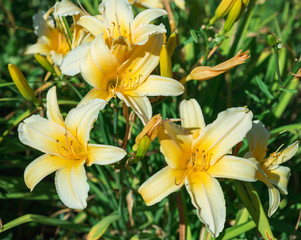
(21, 83)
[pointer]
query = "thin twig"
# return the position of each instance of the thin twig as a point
(171, 18)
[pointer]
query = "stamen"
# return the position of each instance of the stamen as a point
(118, 25)
(58, 149)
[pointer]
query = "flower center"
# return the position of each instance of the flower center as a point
(199, 161)
(124, 83)
(71, 148)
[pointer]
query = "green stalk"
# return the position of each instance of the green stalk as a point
(277, 65)
(121, 196)
(285, 98)
(249, 196)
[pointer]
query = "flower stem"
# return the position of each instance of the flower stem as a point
(277, 66)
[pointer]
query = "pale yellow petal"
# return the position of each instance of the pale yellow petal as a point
(42, 167)
(118, 12)
(161, 185)
(71, 63)
(147, 16)
(149, 3)
(104, 154)
(80, 120)
(99, 66)
(207, 197)
(139, 103)
(143, 59)
(105, 61)
(175, 144)
(144, 31)
(53, 111)
(66, 8)
(91, 73)
(95, 93)
(234, 168)
(160, 86)
(41, 134)
(192, 116)
(71, 185)
(274, 199)
(287, 153)
(230, 127)
(258, 138)
(92, 24)
(38, 48)
(279, 176)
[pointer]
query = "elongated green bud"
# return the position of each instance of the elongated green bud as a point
(222, 9)
(45, 63)
(21, 83)
(233, 16)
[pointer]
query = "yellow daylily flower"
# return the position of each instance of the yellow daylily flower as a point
(269, 170)
(156, 3)
(66, 148)
(196, 154)
(119, 61)
(52, 39)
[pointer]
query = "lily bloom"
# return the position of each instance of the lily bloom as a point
(119, 61)
(66, 148)
(52, 40)
(196, 155)
(269, 170)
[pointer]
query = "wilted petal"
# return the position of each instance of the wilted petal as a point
(205, 72)
(234, 168)
(287, 153)
(230, 127)
(147, 16)
(258, 138)
(71, 185)
(192, 116)
(92, 25)
(279, 176)
(104, 154)
(161, 185)
(160, 86)
(175, 144)
(79, 120)
(41, 134)
(53, 111)
(42, 167)
(140, 104)
(207, 196)
(71, 63)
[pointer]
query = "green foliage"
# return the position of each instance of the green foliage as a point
(264, 83)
